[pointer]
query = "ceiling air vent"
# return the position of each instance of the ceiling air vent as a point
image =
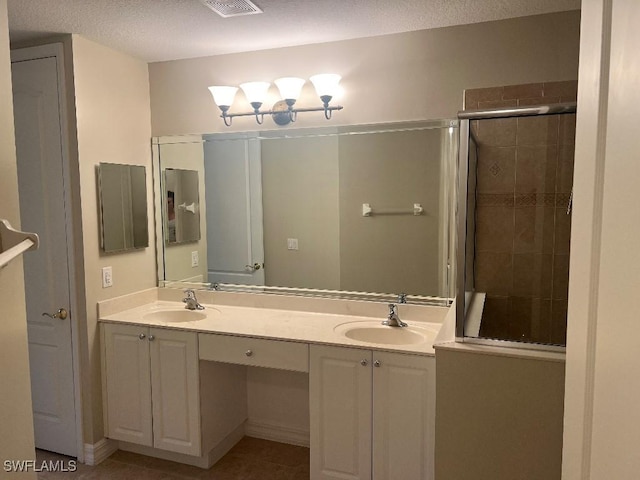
(232, 8)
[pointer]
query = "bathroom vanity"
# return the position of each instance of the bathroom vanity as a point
(175, 380)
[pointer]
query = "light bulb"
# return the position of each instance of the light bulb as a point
(290, 88)
(326, 85)
(223, 96)
(256, 92)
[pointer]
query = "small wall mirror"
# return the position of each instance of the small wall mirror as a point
(123, 207)
(182, 206)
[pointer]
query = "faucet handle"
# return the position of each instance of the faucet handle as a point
(392, 309)
(190, 293)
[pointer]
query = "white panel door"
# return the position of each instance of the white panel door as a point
(403, 416)
(340, 413)
(127, 371)
(42, 209)
(233, 190)
(175, 390)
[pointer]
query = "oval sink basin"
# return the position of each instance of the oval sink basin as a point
(176, 316)
(375, 332)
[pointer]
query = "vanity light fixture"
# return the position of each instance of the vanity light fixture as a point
(283, 111)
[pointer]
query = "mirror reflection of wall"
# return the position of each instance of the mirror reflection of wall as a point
(182, 206)
(287, 211)
(123, 207)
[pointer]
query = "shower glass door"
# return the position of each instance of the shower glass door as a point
(517, 172)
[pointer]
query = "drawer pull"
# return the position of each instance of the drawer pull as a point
(142, 336)
(248, 353)
(377, 363)
(364, 362)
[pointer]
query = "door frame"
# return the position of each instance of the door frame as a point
(47, 51)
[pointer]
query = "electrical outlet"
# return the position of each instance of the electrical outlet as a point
(292, 244)
(194, 258)
(107, 277)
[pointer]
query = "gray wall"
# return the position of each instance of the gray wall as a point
(498, 417)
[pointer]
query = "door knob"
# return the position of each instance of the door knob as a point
(61, 314)
(254, 267)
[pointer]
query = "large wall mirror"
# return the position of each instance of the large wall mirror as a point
(363, 209)
(123, 207)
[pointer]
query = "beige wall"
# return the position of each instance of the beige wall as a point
(113, 125)
(16, 419)
(498, 417)
(300, 200)
(409, 76)
(186, 156)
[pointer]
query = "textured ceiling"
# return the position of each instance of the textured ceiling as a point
(158, 30)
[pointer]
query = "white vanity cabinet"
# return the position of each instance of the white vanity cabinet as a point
(372, 414)
(151, 385)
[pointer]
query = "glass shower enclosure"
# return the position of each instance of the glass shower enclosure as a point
(513, 220)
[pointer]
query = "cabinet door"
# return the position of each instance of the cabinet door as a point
(128, 383)
(176, 393)
(403, 416)
(340, 413)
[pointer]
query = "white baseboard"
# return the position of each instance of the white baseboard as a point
(277, 432)
(95, 453)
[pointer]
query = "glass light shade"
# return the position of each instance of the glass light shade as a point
(256, 92)
(326, 84)
(290, 87)
(223, 96)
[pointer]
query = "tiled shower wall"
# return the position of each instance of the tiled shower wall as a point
(524, 182)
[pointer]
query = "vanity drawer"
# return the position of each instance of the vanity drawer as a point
(256, 352)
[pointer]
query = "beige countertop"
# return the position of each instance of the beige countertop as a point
(235, 314)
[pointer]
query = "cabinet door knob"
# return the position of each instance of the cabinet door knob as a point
(364, 362)
(151, 338)
(377, 363)
(142, 336)
(248, 353)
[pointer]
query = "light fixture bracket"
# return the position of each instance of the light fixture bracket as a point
(281, 113)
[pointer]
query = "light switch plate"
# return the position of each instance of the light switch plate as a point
(107, 277)
(194, 258)
(292, 244)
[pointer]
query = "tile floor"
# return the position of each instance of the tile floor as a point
(250, 459)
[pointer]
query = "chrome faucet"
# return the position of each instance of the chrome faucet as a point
(393, 320)
(191, 300)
